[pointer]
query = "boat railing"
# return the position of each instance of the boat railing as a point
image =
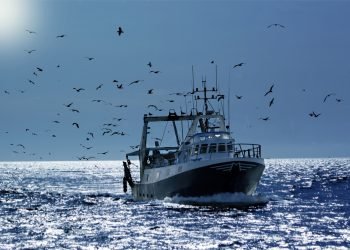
(247, 150)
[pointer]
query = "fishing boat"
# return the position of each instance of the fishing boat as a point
(206, 161)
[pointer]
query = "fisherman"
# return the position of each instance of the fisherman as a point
(127, 176)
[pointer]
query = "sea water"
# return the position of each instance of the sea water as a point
(81, 205)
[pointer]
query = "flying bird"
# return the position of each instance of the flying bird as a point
(265, 118)
(325, 99)
(137, 81)
(30, 51)
(220, 97)
(75, 110)
(339, 100)
(120, 31)
(150, 91)
(238, 65)
(149, 64)
(154, 106)
(239, 97)
(271, 102)
(276, 25)
(120, 86)
(90, 58)
(103, 153)
(68, 105)
(154, 71)
(31, 31)
(79, 89)
(99, 86)
(269, 91)
(75, 124)
(61, 36)
(97, 100)
(85, 147)
(6, 92)
(30, 81)
(313, 114)
(39, 69)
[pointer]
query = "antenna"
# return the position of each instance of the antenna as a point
(192, 87)
(216, 76)
(228, 101)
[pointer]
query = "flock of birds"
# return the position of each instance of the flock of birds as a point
(110, 128)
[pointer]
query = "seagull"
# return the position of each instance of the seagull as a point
(97, 100)
(238, 65)
(79, 89)
(85, 147)
(107, 131)
(325, 99)
(75, 110)
(30, 51)
(149, 64)
(313, 114)
(120, 31)
(137, 81)
(276, 25)
(265, 119)
(154, 106)
(61, 36)
(99, 86)
(103, 153)
(75, 124)
(271, 102)
(31, 32)
(270, 90)
(68, 105)
(150, 91)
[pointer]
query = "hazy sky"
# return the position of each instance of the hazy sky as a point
(305, 61)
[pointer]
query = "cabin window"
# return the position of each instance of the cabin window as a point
(204, 148)
(229, 147)
(222, 147)
(212, 148)
(195, 150)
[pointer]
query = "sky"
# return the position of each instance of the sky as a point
(305, 60)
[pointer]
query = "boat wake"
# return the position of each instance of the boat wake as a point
(234, 200)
